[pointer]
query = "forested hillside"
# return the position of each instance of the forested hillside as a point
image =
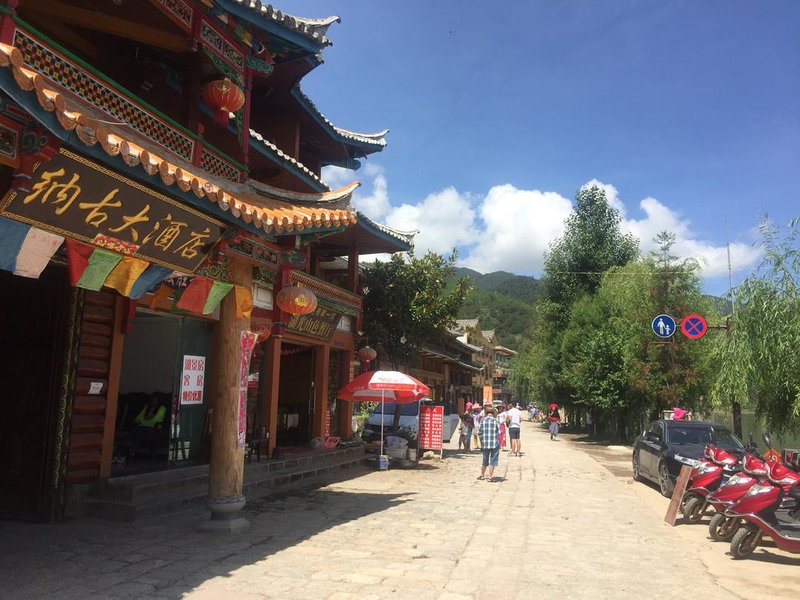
(503, 302)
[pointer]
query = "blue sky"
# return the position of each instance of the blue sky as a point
(687, 111)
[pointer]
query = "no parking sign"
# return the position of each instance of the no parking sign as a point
(694, 326)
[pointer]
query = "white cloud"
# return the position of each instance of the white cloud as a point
(510, 229)
(518, 227)
(713, 259)
(445, 220)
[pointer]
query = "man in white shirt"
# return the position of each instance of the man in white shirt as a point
(513, 419)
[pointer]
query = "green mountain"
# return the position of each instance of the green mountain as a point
(503, 302)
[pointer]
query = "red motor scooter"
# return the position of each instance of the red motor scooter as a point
(759, 509)
(753, 469)
(704, 479)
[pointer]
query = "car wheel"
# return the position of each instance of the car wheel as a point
(722, 528)
(744, 541)
(693, 509)
(663, 479)
(637, 474)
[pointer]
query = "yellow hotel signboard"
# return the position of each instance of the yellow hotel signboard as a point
(75, 197)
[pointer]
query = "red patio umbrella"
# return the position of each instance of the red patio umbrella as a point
(384, 385)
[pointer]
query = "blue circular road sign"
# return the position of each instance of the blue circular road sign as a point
(664, 326)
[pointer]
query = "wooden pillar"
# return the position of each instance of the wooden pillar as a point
(352, 270)
(345, 409)
(322, 357)
(112, 395)
(272, 368)
(226, 468)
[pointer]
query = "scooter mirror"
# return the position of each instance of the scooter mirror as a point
(767, 441)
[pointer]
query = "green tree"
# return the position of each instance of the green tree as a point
(615, 364)
(407, 302)
(592, 243)
(759, 363)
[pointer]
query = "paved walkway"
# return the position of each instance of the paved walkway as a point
(558, 525)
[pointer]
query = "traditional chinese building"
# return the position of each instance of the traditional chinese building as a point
(502, 391)
(482, 344)
(162, 221)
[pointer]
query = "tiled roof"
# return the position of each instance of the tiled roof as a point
(262, 206)
(404, 236)
(314, 29)
(286, 159)
(466, 323)
(376, 140)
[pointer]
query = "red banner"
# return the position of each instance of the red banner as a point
(248, 342)
(431, 419)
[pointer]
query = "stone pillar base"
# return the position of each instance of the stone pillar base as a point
(225, 517)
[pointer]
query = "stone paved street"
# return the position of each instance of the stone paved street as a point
(559, 524)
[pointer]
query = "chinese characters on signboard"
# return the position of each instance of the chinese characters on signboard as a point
(70, 195)
(192, 379)
(431, 419)
(321, 323)
(247, 344)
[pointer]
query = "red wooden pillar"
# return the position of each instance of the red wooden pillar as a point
(226, 468)
(272, 368)
(321, 366)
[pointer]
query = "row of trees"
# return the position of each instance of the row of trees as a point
(592, 346)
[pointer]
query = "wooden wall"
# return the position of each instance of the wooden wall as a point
(94, 415)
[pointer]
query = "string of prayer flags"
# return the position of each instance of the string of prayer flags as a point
(26, 250)
(244, 301)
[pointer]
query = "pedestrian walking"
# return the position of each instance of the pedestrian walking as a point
(514, 418)
(465, 428)
(488, 431)
(554, 418)
(477, 415)
(501, 418)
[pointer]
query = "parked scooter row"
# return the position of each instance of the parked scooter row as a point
(753, 497)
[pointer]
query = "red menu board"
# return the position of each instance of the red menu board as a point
(430, 427)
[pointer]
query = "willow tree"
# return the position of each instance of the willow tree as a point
(759, 363)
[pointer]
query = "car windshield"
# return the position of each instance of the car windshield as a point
(408, 409)
(720, 436)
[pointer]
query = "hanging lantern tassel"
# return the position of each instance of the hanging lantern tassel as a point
(224, 97)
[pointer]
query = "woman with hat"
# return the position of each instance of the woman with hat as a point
(554, 418)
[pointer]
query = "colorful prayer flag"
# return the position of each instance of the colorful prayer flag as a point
(218, 291)
(26, 250)
(152, 277)
(89, 267)
(244, 301)
(195, 295)
(125, 274)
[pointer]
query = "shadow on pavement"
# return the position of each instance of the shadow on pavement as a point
(167, 557)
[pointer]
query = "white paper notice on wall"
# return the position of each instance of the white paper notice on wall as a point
(95, 387)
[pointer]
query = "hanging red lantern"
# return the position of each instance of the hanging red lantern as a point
(296, 300)
(224, 97)
(367, 354)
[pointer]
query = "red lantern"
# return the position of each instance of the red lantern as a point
(367, 354)
(224, 97)
(296, 300)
